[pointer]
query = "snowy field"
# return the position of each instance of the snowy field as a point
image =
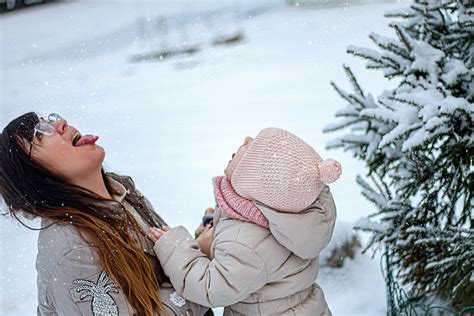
(173, 123)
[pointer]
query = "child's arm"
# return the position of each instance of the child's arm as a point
(235, 271)
(204, 241)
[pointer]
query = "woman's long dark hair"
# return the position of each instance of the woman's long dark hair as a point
(33, 192)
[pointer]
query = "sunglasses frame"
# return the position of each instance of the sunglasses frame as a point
(52, 118)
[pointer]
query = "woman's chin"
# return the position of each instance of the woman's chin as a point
(96, 154)
(101, 153)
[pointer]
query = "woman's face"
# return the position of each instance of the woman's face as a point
(236, 157)
(57, 153)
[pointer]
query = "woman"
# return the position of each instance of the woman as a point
(93, 254)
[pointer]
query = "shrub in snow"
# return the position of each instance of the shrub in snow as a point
(417, 142)
(344, 245)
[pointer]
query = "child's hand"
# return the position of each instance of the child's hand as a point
(156, 233)
(201, 227)
(205, 240)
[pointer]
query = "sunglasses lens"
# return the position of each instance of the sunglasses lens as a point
(53, 117)
(45, 128)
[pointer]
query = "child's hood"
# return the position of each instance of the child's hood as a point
(305, 233)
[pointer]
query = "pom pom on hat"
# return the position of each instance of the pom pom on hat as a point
(329, 170)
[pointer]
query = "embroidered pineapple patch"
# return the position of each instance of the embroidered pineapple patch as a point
(177, 299)
(102, 303)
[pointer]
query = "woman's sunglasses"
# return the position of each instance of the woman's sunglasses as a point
(44, 127)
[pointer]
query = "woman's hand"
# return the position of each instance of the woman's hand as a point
(205, 240)
(201, 227)
(156, 233)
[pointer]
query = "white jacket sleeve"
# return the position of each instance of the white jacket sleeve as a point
(234, 273)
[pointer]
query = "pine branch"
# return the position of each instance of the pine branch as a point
(402, 36)
(353, 81)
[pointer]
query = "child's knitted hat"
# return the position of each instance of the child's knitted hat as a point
(280, 170)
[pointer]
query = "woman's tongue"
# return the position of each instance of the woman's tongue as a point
(86, 140)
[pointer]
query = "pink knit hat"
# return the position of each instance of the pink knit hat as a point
(280, 170)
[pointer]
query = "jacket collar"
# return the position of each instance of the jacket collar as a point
(117, 190)
(134, 197)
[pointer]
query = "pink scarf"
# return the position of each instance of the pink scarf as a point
(235, 206)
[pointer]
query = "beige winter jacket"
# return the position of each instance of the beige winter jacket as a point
(71, 280)
(253, 270)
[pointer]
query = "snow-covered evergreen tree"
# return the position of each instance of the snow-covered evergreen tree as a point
(417, 141)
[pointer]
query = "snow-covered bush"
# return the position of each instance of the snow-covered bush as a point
(345, 244)
(417, 142)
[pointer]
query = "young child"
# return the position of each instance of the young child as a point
(273, 217)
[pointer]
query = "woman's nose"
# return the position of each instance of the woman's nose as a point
(60, 126)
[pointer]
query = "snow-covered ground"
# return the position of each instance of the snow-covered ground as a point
(173, 124)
